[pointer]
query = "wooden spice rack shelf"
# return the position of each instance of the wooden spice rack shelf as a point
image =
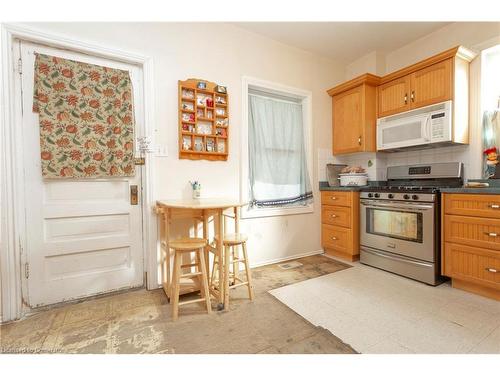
(203, 121)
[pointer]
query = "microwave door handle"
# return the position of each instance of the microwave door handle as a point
(427, 129)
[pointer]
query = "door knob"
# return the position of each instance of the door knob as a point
(134, 195)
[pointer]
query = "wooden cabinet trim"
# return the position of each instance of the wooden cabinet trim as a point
(367, 78)
(458, 51)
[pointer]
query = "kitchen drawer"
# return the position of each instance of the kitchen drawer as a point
(474, 265)
(337, 238)
(483, 205)
(336, 215)
(472, 231)
(336, 198)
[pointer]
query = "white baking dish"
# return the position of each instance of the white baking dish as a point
(353, 179)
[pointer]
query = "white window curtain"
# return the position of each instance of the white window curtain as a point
(277, 154)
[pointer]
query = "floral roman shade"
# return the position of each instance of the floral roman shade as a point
(86, 118)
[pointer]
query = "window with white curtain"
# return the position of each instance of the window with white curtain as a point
(490, 95)
(278, 174)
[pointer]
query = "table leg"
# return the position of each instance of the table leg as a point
(236, 248)
(166, 232)
(220, 254)
(205, 236)
(227, 269)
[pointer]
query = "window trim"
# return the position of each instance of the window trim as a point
(305, 98)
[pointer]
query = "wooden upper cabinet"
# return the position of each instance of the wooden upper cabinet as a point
(434, 80)
(431, 85)
(347, 117)
(394, 96)
(357, 103)
(354, 115)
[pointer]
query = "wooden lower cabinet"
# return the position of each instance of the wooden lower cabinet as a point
(340, 224)
(471, 242)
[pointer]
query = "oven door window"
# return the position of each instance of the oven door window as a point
(403, 225)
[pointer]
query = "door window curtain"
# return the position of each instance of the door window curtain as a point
(277, 155)
(86, 119)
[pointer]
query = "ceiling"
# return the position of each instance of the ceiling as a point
(343, 41)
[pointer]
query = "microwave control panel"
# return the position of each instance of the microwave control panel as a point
(437, 125)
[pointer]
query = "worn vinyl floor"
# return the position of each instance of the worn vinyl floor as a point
(139, 322)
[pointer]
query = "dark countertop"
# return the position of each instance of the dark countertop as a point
(323, 186)
(465, 190)
(494, 188)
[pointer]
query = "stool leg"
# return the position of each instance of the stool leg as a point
(176, 285)
(248, 272)
(204, 280)
(236, 266)
(214, 270)
(226, 250)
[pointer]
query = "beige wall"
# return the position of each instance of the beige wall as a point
(223, 53)
(468, 34)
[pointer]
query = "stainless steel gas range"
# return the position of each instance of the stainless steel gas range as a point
(400, 222)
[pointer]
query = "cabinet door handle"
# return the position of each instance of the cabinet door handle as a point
(333, 198)
(333, 216)
(359, 140)
(412, 96)
(334, 238)
(495, 206)
(491, 234)
(492, 270)
(406, 98)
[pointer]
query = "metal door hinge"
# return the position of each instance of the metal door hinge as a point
(26, 270)
(139, 161)
(20, 66)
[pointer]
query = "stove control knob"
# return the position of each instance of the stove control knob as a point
(377, 195)
(370, 195)
(414, 197)
(390, 195)
(406, 196)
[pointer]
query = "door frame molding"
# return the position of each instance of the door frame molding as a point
(13, 210)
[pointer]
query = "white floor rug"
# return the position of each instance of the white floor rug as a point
(378, 312)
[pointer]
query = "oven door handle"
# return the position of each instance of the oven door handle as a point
(409, 207)
(396, 257)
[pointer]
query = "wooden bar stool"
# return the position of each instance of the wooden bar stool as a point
(180, 247)
(232, 257)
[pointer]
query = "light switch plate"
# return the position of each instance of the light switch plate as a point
(161, 150)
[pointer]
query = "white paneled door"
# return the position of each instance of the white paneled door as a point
(84, 237)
